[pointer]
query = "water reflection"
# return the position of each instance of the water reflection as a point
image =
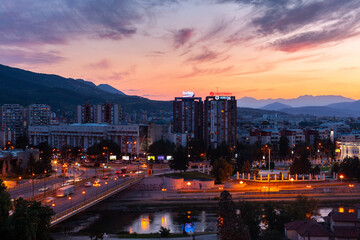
(151, 222)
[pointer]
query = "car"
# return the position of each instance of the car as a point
(88, 184)
(65, 184)
(70, 180)
(105, 177)
(78, 179)
(44, 189)
(49, 199)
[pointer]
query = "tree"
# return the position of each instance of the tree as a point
(164, 232)
(246, 168)
(300, 165)
(222, 170)
(106, 146)
(315, 170)
(350, 167)
(180, 159)
(230, 225)
(335, 168)
(283, 147)
(5, 205)
(250, 214)
(162, 147)
(45, 158)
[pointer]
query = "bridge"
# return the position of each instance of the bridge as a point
(70, 206)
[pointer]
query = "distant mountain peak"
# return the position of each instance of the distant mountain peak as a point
(110, 89)
(276, 106)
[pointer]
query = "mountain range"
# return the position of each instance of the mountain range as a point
(63, 94)
(302, 101)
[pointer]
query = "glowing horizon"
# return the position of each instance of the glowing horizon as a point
(157, 49)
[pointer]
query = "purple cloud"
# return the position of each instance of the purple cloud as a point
(10, 57)
(49, 22)
(335, 21)
(182, 36)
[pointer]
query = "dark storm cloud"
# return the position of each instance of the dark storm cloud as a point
(335, 21)
(57, 21)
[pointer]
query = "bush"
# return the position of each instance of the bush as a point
(164, 232)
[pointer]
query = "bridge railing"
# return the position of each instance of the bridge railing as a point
(93, 200)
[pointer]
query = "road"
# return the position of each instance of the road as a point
(64, 203)
(31, 188)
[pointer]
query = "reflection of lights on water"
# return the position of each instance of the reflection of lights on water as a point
(145, 223)
(164, 221)
(130, 230)
(351, 210)
(341, 209)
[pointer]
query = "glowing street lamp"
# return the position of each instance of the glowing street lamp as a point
(341, 177)
(83, 192)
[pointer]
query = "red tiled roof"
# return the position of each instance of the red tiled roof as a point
(313, 229)
(346, 232)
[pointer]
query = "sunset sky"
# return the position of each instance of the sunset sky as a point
(157, 49)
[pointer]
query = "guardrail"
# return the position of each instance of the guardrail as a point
(92, 201)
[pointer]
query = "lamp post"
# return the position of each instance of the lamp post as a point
(341, 177)
(44, 183)
(83, 192)
(32, 182)
(70, 203)
(163, 190)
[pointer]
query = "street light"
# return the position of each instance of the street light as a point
(70, 202)
(163, 190)
(341, 177)
(83, 192)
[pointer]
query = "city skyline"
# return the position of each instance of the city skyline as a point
(260, 49)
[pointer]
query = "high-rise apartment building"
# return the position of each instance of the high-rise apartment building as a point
(12, 119)
(105, 113)
(38, 115)
(220, 120)
(188, 116)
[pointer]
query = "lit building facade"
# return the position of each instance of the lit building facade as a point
(188, 116)
(12, 119)
(102, 113)
(38, 115)
(220, 120)
(132, 139)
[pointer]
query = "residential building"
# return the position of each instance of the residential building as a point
(102, 113)
(12, 119)
(220, 120)
(188, 116)
(38, 115)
